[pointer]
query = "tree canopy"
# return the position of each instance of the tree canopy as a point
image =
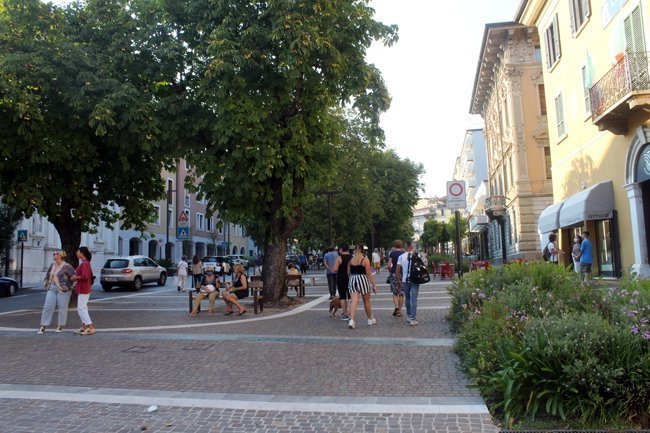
(90, 112)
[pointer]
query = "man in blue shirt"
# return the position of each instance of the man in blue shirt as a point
(328, 260)
(586, 257)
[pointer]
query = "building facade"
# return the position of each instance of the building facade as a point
(506, 94)
(596, 75)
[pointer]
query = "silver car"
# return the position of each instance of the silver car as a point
(131, 271)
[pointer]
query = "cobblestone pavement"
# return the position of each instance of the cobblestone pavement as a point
(237, 374)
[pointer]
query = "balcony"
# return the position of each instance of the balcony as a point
(623, 89)
(495, 206)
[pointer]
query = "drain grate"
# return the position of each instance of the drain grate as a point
(139, 349)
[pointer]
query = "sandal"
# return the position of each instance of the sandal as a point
(228, 313)
(242, 313)
(192, 314)
(399, 314)
(395, 311)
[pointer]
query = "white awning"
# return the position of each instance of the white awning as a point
(594, 203)
(478, 223)
(549, 219)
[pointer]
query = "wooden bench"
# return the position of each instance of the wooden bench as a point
(295, 282)
(255, 287)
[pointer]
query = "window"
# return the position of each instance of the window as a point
(209, 227)
(220, 227)
(187, 198)
(99, 236)
(559, 116)
(200, 221)
(634, 39)
(537, 53)
(547, 161)
(170, 217)
(156, 215)
(586, 84)
(552, 41)
(580, 11)
(542, 99)
(37, 224)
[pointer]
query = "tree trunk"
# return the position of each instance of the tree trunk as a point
(274, 271)
(70, 234)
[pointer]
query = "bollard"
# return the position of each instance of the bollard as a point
(313, 281)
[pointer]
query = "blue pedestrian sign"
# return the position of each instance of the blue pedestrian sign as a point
(224, 245)
(183, 233)
(22, 235)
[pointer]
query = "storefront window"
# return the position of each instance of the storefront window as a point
(605, 251)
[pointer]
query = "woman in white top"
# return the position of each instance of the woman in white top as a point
(181, 273)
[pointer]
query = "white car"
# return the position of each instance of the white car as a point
(238, 259)
(212, 262)
(131, 271)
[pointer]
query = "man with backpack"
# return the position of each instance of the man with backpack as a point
(405, 280)
(551, 252)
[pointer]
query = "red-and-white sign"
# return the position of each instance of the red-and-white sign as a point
(456, 194)
(183, 219)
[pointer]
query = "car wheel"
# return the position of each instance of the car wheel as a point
(13, 288)
(137, 283)
(106, 287)
(163, 279)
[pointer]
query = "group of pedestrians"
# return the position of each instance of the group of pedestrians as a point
(60, 281)
(352, 276)
(581, 254)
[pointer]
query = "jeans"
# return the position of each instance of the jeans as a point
(411, 297)
(331, 283)
(56, 299)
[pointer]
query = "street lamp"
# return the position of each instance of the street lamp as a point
(169, 203)
(329, 210)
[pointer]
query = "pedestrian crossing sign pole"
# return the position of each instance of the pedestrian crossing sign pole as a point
(22, 238)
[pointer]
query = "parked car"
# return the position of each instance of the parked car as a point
(214, 261)
(291, 258)
(238, 259)
(131, 271)
(8, 286)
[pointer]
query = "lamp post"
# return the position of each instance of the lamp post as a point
(329, 195)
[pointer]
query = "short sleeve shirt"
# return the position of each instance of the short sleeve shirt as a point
(181, 268)
(375, 258)
(403, 261)
(330, 258)
(586, 256)
(394, 255)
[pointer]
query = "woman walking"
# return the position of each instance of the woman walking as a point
(197, 271)
(361, 279)
(342, 279)
(181, 274)
(58, 283)
(84, 278)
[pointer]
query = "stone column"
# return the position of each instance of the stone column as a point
(637, 218)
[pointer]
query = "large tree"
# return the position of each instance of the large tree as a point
(92, 107)
(279, 73)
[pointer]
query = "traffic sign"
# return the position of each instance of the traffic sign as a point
(183, 233)
(456, 194)
(224, 245)
(22, 235)
(183, 219)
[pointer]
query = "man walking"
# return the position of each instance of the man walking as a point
(329, 259)
(586, 257)
(411, 289)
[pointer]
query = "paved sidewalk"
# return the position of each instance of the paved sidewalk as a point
(285, 371)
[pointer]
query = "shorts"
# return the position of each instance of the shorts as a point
(359, 284)
(585, 268)
(394, 288)
(342, 288)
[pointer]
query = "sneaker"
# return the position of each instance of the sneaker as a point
(345, 318)
(413, 322)
(41, 330)
(58, 330)
(331, 297)
(81, 331)
(372, 321)
(351, 324)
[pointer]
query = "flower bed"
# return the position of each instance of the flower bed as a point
(536, 341)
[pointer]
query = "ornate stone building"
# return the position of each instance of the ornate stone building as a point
(509, 94)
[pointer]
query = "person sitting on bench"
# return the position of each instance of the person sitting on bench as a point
(208, 288)
(236, 291)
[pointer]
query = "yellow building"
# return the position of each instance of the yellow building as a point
(506, 94)
(598, 97)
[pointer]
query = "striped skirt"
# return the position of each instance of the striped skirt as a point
(359, 284)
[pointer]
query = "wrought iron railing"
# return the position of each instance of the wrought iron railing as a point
(628, 74)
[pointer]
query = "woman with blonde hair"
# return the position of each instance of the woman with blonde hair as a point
(58, 283)
(236, 291)
(361, 279)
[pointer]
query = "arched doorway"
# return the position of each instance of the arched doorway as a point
(153, 249)
(211, 250)
(134, 246)
(637, 177)
(234, 250)
(169, 251)
(242, 251)
(200, 249)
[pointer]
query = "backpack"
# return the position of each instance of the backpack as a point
(418, 273)
(546, 253)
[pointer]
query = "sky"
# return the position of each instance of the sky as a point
(430, 73)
